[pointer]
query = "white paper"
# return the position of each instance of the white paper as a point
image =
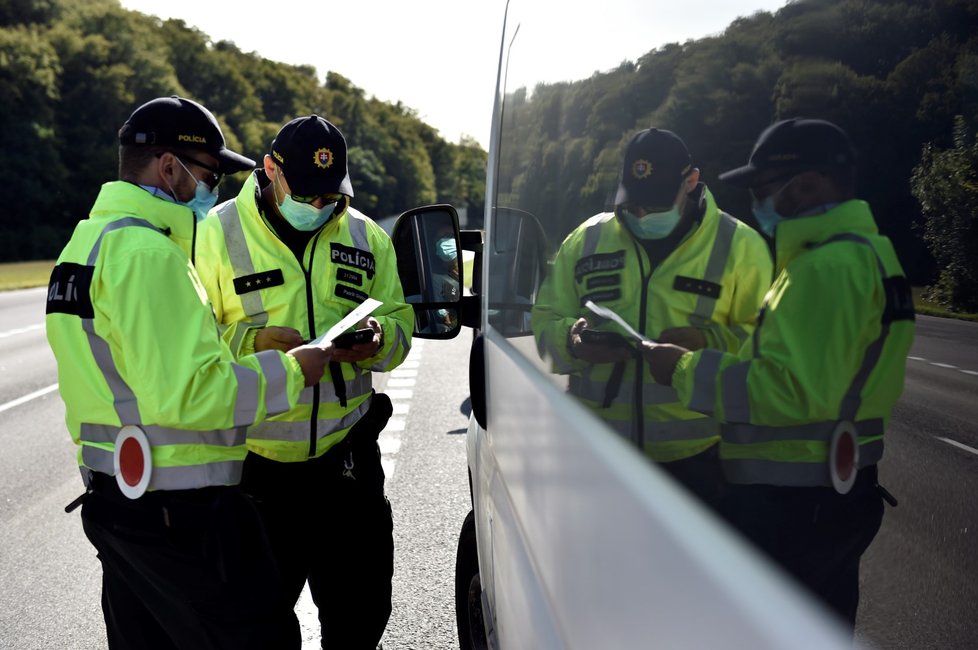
(604, 312)
(360, 312)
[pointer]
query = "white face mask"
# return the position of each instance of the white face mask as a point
(304, 216)
(654, 225)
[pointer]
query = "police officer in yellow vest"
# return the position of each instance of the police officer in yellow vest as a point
(676, 268)
(158, 405)
(805, 404)
(285, 261)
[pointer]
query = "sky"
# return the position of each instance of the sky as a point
(440, 57)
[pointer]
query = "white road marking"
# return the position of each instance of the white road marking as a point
(398, 387)
(959, 445)
(21, 330)
(945, 365)
(28, 397)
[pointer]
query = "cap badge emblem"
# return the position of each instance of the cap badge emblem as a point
(323, 158)
(641, 168)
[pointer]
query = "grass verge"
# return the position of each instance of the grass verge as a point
(24, 275)
(928, 308)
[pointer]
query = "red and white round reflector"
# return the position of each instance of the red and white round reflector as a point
(844, 457)
(133, 461)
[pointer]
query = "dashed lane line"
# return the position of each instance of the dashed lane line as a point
(959, 445)
(947, 366)
(21, 330)
(26, 398)
(400, 388)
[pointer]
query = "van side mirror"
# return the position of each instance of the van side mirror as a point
(518, 259)
(429, 262)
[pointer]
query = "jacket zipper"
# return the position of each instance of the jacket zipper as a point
(311, 313)
(640, 361)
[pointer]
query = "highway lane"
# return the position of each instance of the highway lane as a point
(918, 577)
(49, 575)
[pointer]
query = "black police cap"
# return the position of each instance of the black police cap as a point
(656, 162)
(312, 153)
(794, 145)
(179, 122)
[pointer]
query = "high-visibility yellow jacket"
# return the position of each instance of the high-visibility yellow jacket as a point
(831, 346)
(714, 280)
(136, 343)
(254, 280)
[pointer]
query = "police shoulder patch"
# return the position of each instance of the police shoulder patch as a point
(68, 290)
(255, 281)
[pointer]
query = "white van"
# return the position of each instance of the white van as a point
(575, 540)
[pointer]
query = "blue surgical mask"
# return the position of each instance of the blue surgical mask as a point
(767, 217)
(204, 199)
(446, 249)
(654, 225)
(305, 216)
(764, 211)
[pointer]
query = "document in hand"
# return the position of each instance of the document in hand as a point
(359, 312)
(604, 312)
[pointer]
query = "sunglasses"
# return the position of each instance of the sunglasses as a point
(327, 198)
(213, 179)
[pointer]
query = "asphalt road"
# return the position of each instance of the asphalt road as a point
(919, 578)
(49, 575)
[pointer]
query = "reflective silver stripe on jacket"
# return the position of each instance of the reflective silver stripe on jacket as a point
(299, 431)
(358, 234)
(584, 387)
(775, 472)
(652, 395)
(241, 264)
(159, 436)
(127, 410)
(358, 229)
(400, 343)
(655, 431)
(715, 265)
(277, 401)
(123, 399)
(184, 477)
(359, 385)
(276, 383)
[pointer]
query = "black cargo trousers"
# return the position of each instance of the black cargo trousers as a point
(186, 569)
(817, 535)
(329, 522)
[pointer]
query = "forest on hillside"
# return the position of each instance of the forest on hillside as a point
(901, 76)
(71, 72)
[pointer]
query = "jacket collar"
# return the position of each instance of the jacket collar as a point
(116, 197)
(794, 236)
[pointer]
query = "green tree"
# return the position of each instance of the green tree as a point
(29, 72)
(946, 185)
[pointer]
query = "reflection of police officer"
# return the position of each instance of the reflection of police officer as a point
(675, 268)
(822, 372)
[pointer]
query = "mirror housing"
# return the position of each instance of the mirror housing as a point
(429, 245)
(519, 263)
